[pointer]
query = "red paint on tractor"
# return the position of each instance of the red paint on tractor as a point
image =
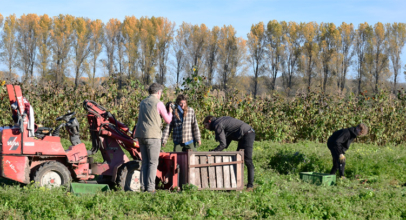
(15, 168)
(21, 154)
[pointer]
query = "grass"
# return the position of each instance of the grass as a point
(373, 190)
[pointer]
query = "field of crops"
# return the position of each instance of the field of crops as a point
(312, 116)
(373, 190)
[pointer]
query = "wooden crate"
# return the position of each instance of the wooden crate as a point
(212, 170)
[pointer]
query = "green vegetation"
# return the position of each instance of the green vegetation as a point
(312, 116)
(373, 190)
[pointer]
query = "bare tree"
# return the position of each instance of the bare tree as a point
(165, 31)
(396, 39)
(379, 47)
(275, 49)
(95, 47)
(362, 35)
(257, 48)
(329, 39)
(292, 39)
(111, 31)
(310, 50)
(131, 34)
(61, 38)
(44, 45)
(232, 53)
(345, 49)
(211, 53)
(179, 51)
(195, 45)
(81, 45)
(28, 32)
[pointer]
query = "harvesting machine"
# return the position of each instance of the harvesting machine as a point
(25, 157)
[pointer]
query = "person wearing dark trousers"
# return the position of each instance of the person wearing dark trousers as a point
(339, 142)
(229, 129)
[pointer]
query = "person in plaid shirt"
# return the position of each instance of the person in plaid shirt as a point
(184, 125)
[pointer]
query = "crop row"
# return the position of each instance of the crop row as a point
(311, 116)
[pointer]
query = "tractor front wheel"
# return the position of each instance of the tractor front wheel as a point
(129, 176)
(52, 174)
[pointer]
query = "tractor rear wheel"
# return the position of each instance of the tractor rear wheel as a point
(129, 176)
(52, 174)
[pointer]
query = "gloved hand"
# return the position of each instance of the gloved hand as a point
(342, 158)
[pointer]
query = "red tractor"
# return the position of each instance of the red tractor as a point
(41, 158)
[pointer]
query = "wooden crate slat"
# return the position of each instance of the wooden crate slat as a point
(203, 173)
(219, 172)
(212, 173)
(192, 170)
(240, 170)
(197, 172)
(232, 174)
(226, 169)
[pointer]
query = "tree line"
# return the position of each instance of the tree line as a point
(281, 54)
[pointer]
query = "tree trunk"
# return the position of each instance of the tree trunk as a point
(343, 79)
(256, 81)
(309, 74)
(325, 78)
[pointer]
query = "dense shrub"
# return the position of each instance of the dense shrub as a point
(313, 116)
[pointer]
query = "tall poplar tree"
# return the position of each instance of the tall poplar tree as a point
(257, 52)
(396, 40)
(275, 49)
(362, 36)
(44, 45)
(61, 38)
(131, 34)
(212, 53)
(81, 45)
(292, 39)
(148, 51)
(111, 31)
(347, 33)
(379, 45)
(195, 45)
(310, 50)
(329, 38)
(28, 34)
(9, 51)
(164, 34)
(179, 51)
(232, 53)
(95, 47)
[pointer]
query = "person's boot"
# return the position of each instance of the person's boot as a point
(249, 189)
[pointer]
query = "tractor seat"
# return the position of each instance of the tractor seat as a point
(41, 132)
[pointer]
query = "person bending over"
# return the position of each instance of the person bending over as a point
(339, 142)
(229, 129)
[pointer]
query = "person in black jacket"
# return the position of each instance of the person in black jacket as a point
(340, 141)
(229, 129)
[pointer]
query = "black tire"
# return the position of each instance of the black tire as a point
(52, 174)
(128, 176)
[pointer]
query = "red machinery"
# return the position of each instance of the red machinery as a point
(43, 159)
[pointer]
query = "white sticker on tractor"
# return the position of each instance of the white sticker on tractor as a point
(31, 144)
(12, 142)
(11, 166)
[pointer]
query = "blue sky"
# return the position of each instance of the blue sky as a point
(241, 14)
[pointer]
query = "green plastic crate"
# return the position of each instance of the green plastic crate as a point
(84, 188)
(318, 178)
